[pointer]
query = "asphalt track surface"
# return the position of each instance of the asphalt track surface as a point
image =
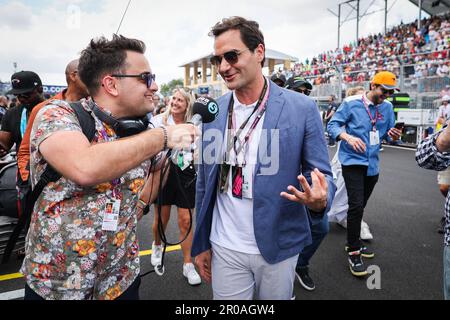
(403, 214)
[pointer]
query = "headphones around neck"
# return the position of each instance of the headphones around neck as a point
(123, 127)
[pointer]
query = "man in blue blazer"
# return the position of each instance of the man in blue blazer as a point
(265, 141)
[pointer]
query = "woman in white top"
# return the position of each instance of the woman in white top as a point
(179, 189)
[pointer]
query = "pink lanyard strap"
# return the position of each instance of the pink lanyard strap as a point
(260, 108)
(372, 120)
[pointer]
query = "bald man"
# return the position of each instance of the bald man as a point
(75, 91)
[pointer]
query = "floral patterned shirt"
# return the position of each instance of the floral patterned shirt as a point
(68, 255)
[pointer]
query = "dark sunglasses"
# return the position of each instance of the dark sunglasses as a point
(306, 92)
(387, 92)
(231, 57)
(24, 95)
(147, 77)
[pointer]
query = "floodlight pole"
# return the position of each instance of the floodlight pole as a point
(358, 16)
(420, 15)
(357, 22)
(339, 26)
(385, 15)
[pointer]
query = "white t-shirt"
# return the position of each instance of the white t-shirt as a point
(158, 121)
(232, 224)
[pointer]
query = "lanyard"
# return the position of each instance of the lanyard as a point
(23, 122)
(377, 115)
(232, 139)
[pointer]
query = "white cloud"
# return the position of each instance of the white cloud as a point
(43, 36)
(15, 15)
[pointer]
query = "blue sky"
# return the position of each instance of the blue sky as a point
(45, 35)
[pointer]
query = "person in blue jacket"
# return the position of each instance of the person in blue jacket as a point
(266, 145)
(362, 122)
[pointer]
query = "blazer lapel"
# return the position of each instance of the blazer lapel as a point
(220, 124)
(272, 116)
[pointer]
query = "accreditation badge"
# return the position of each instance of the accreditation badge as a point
(374, 138)
(237, 182)
(111, 215)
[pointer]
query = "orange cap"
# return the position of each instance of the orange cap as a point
(386, 79)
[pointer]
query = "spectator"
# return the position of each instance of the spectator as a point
(179, 189)
(442, 70)
(402, 44)
(318, 224)
(443, 113)
(76, 90)
(338, 211)
(332, 108)
(279, 79)
(27, 86)
(3, 107)
(367, 120)
(433, 153)
(300, 85)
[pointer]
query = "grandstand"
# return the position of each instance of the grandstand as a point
(420, 58)
(418, 53)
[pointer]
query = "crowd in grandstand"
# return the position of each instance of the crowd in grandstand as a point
(423, 52)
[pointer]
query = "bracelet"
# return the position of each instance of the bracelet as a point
(143, 206)
(165, 137)
(141, 202)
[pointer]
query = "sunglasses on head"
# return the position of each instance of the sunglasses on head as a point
(146, 77)
(231, 57)
(387, 91)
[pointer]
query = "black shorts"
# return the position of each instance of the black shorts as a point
(180, 188)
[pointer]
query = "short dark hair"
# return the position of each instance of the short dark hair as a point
(103, 56)
(251, 35)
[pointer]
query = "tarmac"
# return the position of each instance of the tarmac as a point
(403, 214)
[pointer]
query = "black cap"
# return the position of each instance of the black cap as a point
(24, 82)
(294, 83)
(279, 78)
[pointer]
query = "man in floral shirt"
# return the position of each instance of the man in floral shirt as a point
(434, 153)
(76, 249)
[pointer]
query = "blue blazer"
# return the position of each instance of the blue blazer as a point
(282, 227)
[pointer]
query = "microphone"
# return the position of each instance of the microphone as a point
(204, 110)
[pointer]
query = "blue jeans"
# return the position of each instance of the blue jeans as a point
(319, 229)
(447, 272)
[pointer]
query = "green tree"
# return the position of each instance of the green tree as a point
(166, 89)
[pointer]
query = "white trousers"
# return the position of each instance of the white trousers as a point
(241, 276)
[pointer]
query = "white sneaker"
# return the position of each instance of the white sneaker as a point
(191, 274)
(343, 223)
(365, 231)
(156, 254)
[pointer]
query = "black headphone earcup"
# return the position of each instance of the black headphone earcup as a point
(123, 127)
(130, 127)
